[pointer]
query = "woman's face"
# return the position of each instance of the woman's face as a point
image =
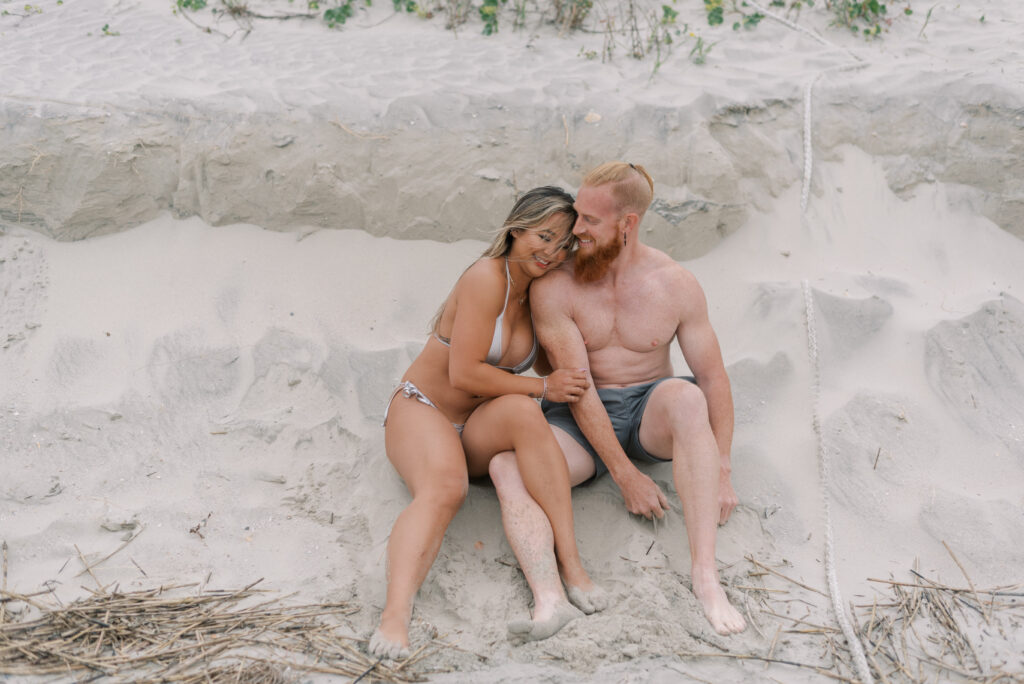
(543, 248)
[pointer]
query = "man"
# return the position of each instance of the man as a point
(615, 311)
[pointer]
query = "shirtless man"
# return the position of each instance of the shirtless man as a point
(615, 311)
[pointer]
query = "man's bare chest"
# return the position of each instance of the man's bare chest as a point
(639, 321)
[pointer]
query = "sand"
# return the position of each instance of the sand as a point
(219, 253)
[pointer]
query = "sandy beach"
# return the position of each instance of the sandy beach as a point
(220, 250)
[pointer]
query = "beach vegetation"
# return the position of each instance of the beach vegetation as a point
(489, 15)
(860, 16)
(107, 31)
(700, 50)
(570, 14)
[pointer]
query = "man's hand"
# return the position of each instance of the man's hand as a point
(727, 500)
(642, 495)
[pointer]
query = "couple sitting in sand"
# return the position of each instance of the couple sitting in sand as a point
(604, 324)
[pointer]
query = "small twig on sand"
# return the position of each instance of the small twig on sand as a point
(361, 136)
(751, 656)
(969, 583)
(89, 568)
(368, 670)
(4, 588)
(788, 579)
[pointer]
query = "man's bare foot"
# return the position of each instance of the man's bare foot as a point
(724, 618)
(537, 629)
(386, 643)
(590, 600)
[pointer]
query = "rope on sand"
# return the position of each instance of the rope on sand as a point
(796, 27)
(857, 649)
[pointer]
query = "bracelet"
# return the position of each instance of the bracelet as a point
(542, 394)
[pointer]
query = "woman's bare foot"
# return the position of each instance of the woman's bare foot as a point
(589, 600)
(544, 627)
(724, 618)
(389, 640)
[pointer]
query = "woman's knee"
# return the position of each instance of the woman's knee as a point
(521, 412)
(447, 493)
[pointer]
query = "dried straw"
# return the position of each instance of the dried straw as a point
(156, 635)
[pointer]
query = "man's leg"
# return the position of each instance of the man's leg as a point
(675, 426)
(530, 536)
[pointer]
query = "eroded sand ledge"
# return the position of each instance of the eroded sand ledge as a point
(399, 128)
(78, 172)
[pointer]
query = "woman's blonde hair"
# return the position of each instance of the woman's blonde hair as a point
(531, 210)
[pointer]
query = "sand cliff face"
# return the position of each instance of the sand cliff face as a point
(404, 130)
(445, 177)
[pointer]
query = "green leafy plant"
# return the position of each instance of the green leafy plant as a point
(107, 31)
(193, 5)
(489, 14)
(699, 53)
(716, 12)
(860, 16)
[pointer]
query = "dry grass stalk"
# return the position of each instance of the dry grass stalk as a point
(924, 632)
(212, 636)
(788, 579)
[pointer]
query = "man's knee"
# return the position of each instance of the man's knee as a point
(685, 403)
(503, 467)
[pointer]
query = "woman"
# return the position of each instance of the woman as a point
(462, 401)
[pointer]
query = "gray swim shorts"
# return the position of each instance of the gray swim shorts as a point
(625, 406)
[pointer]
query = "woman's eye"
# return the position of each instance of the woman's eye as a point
(545, 238)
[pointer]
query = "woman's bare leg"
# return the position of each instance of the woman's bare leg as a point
(426, 451)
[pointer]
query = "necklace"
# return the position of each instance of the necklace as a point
(512, 283)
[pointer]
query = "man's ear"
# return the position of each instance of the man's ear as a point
(632, 221)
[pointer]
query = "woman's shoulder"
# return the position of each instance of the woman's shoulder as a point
(484, 277)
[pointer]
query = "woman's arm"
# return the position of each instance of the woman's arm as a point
(479, 299)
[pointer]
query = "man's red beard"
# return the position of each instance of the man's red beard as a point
(594, 265)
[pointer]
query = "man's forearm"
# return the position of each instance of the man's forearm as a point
(718, 395)
(597, 428)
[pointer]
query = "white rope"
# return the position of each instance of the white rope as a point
(860, 662)
(797, 27)
(805, 190)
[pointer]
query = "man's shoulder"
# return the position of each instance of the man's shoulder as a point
(553, 283)
(659, 265)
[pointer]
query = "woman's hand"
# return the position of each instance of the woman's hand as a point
(567, 385)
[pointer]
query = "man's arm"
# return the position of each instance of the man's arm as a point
(700, 348)
(564, 343)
